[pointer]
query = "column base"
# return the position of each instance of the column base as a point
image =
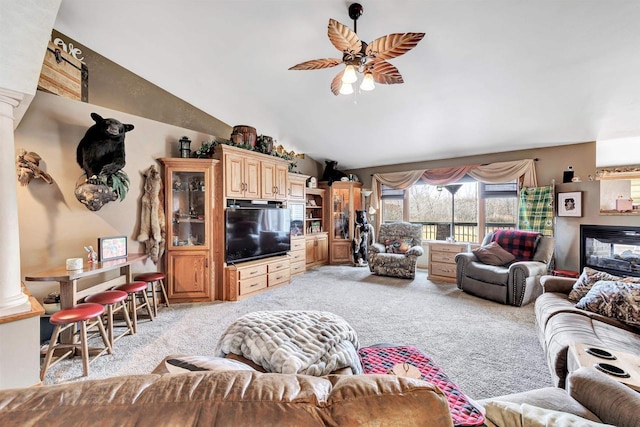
(15, 305)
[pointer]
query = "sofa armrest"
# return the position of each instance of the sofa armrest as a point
(415, 250)
(377, 248)
(613, 402)
(528, 268)
(558, 284)
(465, 258)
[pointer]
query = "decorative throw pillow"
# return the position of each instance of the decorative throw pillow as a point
(204, 363)
(493, 254)
(520, 243)
(615, 299)
(398, 246)
(589, 277)
(502, 413)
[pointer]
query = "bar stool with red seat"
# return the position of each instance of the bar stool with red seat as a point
(114, 301)
(155, 280)
(88, 315)
(134, 291)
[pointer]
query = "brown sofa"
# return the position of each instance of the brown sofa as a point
(228, 398)
(590, 395)
(559, 324)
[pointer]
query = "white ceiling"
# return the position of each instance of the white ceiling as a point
(489, 75)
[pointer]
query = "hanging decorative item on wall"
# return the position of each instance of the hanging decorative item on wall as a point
(101, 155)
(28, 167)
(152, 216)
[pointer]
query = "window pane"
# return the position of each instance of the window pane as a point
(431, 206)
(392, 210)
(501, 213)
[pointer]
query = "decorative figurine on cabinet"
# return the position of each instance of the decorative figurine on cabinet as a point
(364, 236)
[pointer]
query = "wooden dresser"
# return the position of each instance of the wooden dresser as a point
(442, 264)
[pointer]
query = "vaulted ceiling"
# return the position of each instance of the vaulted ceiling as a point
(489, 76)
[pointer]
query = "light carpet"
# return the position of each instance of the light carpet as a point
(487, 349)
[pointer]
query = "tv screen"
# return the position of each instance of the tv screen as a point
(256, 232)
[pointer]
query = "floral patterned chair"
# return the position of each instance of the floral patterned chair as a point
(397, 250)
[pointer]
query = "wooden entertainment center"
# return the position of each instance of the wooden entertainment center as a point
(198, 193)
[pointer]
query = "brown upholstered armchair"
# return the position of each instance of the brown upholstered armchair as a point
(514, 284)
(397, 250)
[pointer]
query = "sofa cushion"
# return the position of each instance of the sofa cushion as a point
(586, 280)
(522, 244)
(398, 246)
(615, 299)
(525, 415)
(493, 254)
(498, 275)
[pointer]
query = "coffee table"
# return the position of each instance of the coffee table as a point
(581, 354)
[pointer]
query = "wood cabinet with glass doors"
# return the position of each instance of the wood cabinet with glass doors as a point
(189, 205)
(343, 198)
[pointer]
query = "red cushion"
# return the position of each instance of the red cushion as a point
(522, 244)
(107, 297)
(149, 277)
(77, 313)
(132, 287)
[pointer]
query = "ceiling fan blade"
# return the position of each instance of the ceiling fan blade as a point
(336, 83)
(384, 72)
(317, 64)
(343, 38)
(393, 45)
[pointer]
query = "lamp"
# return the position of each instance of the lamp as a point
(453, 189)
(185, 147)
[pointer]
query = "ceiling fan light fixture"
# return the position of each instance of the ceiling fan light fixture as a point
(359, 57)
(349, 75)
(367, 82)
(346, 89)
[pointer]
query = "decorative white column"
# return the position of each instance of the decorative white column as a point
(12, 299)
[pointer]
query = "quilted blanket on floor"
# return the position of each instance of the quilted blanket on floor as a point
(293, 342)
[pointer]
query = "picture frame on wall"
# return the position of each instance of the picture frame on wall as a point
(113, 247)
(570, 204)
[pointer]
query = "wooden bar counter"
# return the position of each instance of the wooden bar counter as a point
(68, 279)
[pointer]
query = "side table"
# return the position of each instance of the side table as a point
(442, 263)
(581, 354)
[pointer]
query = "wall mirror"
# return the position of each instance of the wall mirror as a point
(619, 190)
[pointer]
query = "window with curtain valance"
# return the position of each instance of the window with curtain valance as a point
(493, 173)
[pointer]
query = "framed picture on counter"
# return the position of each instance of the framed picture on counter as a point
(112, 248)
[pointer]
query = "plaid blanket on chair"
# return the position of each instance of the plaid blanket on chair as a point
(522, 244)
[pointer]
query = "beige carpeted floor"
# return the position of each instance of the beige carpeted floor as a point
(488, 349)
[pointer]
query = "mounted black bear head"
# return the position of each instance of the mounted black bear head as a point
(101, 152)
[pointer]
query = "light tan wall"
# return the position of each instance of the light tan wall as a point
(552, 161)
(54, 226)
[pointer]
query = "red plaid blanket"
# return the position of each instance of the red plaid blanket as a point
(378, 360)
(522, 244)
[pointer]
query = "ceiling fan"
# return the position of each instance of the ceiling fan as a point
(367, 59)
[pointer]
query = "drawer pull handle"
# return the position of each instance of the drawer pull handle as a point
(255, 284)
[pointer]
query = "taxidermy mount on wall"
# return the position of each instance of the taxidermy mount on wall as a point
(28, 167)
(101, 155)
(331, 173)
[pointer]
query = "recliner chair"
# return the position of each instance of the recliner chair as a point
(403, 238)
(516, 284)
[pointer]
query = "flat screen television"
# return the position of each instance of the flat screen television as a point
(256, 232)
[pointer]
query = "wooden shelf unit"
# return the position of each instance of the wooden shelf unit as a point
(342, 199)
(190, 210)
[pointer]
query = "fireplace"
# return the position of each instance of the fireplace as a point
(614, 249)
